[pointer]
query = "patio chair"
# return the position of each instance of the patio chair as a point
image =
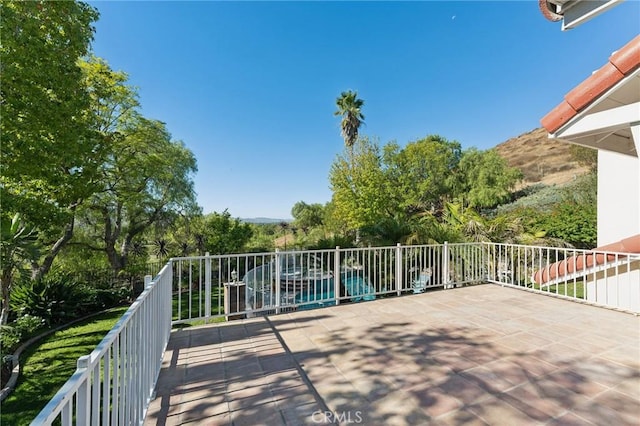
(504, 273)
(420, 284)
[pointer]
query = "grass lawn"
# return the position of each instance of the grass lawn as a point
(570, 289)
(49, 363)
(198, 304)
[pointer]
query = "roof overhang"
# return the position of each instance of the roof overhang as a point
(609, 122)
(575, 12)
(603, 111)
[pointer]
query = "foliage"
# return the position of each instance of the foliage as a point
(91, 268)
(585, 156)
(224, 234)
(307, 216)
(421, 175)
(17, 247)
(427, 228)
(564, 215)
(49, 364)
(22, 329)
(221, 233)
(574, 219)
(46, 146)
(539, 197)
(574, 223)
(145, 176)
(342, 241)
(350, 109)
(358, 186)
(485, 179)
(48, 149)
(386, 232)
(56, 298)
(263, 236)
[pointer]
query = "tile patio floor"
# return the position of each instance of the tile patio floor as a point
(469, 356)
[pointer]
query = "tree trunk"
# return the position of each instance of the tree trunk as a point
(115, 260)
(38, 272)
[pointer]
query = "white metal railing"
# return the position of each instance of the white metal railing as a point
(218, 287)
(114, 384)
(607, 279)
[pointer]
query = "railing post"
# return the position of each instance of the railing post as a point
(336, 275)
(83, 401)
(167, 280)
(486, 253)
(398, 269)
(147, 280)
(446, 278)
(277, 280)
(207, 286)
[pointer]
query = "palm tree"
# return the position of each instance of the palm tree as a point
(18, 246)
(350, 108)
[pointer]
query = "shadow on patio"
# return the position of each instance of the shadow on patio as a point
(474, 355)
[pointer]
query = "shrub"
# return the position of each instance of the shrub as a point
(111, 297)
(23, 328)
(56, 298)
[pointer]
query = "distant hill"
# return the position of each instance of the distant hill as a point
(542, 161)
(264, 220)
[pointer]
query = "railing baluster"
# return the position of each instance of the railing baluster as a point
(207, 286)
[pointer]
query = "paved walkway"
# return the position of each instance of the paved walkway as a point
(470, 356)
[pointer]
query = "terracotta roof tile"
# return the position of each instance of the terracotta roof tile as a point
(627, 59)
(621, 63)
(594, 86)
(545, 8)
(558, 116)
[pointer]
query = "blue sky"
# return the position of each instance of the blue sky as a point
(250, 87)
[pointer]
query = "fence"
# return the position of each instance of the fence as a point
(114, 384)
(210, 288)
(606, 279)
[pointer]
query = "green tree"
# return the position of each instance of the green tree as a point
(224, 234)
(146, 181)
(48, 146)
(358, 186)
(307, 216)
(113, 100)
(350, 109)
(485, 179)
(263, 236)
(421, 175)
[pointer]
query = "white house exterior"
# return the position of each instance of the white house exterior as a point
(603, 112)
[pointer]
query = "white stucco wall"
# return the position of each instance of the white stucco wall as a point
(618, 196)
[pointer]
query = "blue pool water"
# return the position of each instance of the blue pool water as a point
(322, 291)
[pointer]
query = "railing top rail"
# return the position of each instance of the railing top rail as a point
(302, 251)
(48, 414)
(567, 249)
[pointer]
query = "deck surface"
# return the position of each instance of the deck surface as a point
(479, 355)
